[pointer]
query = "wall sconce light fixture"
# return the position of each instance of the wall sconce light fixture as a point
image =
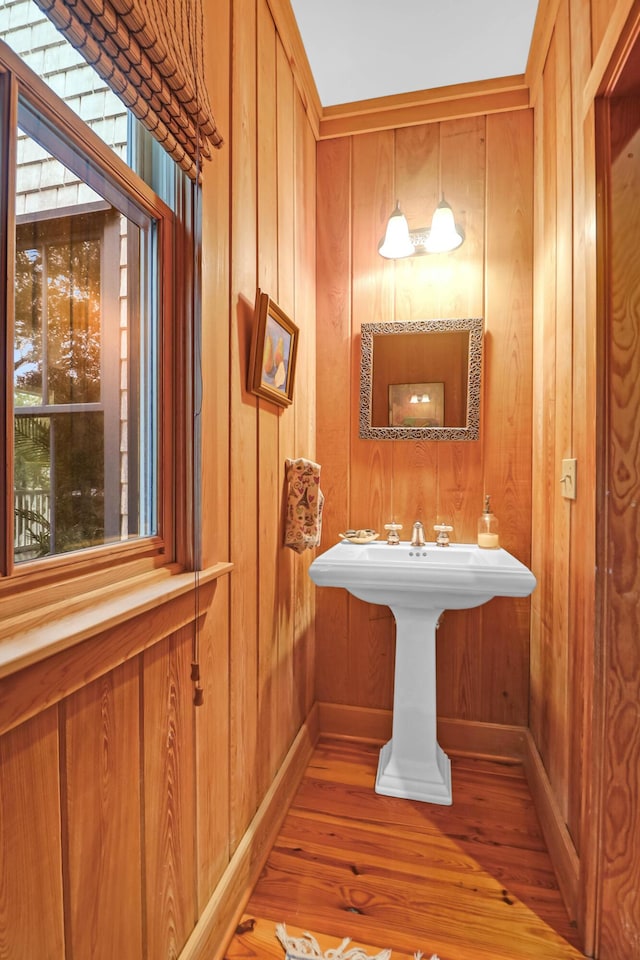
(443, 235)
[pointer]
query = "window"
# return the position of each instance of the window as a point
(89, 321)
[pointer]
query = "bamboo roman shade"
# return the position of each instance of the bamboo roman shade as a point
(150, 52)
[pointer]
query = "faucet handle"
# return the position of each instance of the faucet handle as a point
(443, 530)
(392, 532)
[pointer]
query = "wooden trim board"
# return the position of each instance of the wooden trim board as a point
(426, 106)
(463, 737)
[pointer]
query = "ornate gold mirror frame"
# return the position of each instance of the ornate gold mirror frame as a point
(414, 374)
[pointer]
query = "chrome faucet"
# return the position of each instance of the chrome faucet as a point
(417, 536)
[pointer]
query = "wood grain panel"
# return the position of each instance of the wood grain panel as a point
(460, 293)
(26, 693)
(370, 461)
(31, 904)
(103, 864)
(305, 408)
(212, 753)
(601, 12)
(244, 466)
(289, 34)
(582, 548)
(563, 653)
(621, 824)
(333, 401)
(169, 796)
(538, 492)
(414, 492)
(543, 706)
(268, 421)
(287, 441)
(507, 400)
(212, 827)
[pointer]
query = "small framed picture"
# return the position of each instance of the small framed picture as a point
(416, 404)
(273, 352)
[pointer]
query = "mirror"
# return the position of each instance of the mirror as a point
(420, 380)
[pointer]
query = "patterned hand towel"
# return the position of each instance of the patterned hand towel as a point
(304, 505)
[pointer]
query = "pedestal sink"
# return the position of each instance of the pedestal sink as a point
(419, 584)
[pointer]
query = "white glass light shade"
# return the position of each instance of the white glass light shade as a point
(444, 235)
(397, 242)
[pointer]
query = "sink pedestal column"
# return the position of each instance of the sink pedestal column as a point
(412, 764)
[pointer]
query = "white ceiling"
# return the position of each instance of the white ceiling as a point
(360, 49)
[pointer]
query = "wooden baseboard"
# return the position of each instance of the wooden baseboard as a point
(354, 723)
(216, 926)
(493, 741)
(462, 737)
(562, 851)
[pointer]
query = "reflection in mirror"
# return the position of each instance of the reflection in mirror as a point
(420, 380)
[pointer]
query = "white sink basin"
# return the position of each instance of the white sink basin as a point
(418, 584)
(460, 575)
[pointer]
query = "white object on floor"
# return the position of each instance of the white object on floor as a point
(306, 946)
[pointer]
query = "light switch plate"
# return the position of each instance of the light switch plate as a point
(568, 479)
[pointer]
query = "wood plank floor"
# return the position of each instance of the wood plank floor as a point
(472, 881)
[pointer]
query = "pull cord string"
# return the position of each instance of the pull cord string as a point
(196, 395)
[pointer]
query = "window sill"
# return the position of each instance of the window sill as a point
(30, 637)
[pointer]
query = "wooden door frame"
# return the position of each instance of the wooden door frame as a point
(616, 80)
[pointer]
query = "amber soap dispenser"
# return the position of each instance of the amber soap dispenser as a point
(488, 527)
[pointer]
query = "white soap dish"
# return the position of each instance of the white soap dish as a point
(359, 536)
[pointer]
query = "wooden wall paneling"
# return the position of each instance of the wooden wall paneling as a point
(562, 508)
(244, 464)
(216, 204)
(287, 440)
(334, 387)
(542, 33)
(287, 28)
(305, 398)
(414, 465)
(268, 420)
(41, 684)
(601, 14)
(460, 293)
(621, 825)
(582, 534)
(587, 762)
(459, 652)
(101, 816)
(212, 748)
(543, 703)
(212, 718)
(507, 399)
(538, 493)
(31, 904)
(589, 671)
(169, 796)
(371, 638)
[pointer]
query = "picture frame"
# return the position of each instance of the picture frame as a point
(416, 404)
(274, 351)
